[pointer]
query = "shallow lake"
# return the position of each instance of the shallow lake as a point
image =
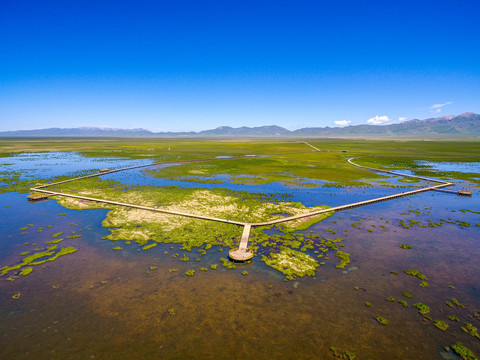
(66, 312)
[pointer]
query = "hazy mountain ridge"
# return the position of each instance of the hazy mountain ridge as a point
(464, 125)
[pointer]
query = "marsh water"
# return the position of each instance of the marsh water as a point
(66, 312)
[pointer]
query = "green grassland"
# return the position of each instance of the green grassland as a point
(294, 160)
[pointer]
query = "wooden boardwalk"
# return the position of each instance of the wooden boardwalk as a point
(242, 253)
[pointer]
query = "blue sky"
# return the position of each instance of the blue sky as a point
(194, 65)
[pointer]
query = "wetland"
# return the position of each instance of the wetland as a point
(82, 279)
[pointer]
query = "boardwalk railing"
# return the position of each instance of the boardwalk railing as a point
(242, 252)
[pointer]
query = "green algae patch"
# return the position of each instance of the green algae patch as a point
(344, 259)
(190, 272)
(57, 234)
(244, 272)
(457, 303)
(26, 271)
(453, 318)
(347, 355)
(291, 263)
(63, 252)
(403, 302)
(228, 264)
(407, 294)
(73, 236)
(16, 296)
(405, 246)
(26, 261)
(147, 247)
(422, 308)
(117, 248)
(24, 253)
(439, 324)
(213, 266)
(470, 330)
(368, 304)
(415, 272)
(55, 241)
(463, 352)
(381, 320)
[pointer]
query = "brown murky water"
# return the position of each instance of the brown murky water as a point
(222, 314)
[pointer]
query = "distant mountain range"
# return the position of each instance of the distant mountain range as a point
(466, 125)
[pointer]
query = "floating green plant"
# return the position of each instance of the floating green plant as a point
(407, 294)
(171, 311)
(244, 272)
(203, 269)
(344, 259)
(415, 272)
(104, 282)
(117, 248)
(25, 271)
(424, 284)
(405, 246)
(147, 247)
(368, 304)
(213, 266)
(74, 236)
(463, 352)
(57, 234)
(291, 263)
(453, 317)
(228, 264)
(190, 272)
(390, 299)
(152, 268)
(185, 258)
(393, 272)
(172, 270)
(422, 308)
(439, 324)
(24, 253)
(16, 296)
(381, 320)
(54, 241)
(449, 304)
(403, 302)
(459, 305)
(347, 355)
(470, 330)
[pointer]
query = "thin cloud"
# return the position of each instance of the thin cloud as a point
(342, 122)
(437, 108)
(377, 120)
(401, 118)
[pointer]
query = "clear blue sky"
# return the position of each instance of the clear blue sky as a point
(193, 65)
